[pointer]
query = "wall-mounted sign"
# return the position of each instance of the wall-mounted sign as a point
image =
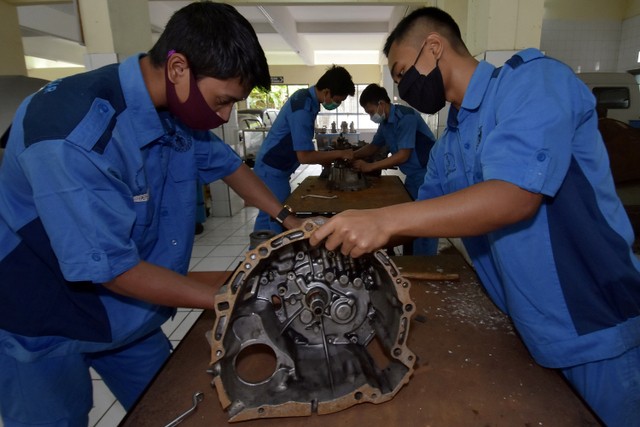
(277, 79)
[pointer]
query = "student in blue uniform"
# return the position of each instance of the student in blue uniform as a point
(97, 213)
(408, 138)
(523, 175)
(289, 142)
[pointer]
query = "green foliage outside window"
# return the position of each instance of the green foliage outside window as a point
(274, 99)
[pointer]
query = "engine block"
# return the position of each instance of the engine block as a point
(302, 330)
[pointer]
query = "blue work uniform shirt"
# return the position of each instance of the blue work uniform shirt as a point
(293, 130)
(405, 129)
(567, 276)
(94, 179)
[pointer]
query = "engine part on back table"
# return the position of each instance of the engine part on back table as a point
(302, 330)
(343, 177)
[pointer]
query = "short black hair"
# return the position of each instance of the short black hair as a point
(217, 41)
(373, 94)
(436, 19)
(338, 80)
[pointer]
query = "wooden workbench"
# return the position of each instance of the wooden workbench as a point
(383, 191)
(472, 369)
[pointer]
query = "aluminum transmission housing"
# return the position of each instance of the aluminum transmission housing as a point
(302, 330)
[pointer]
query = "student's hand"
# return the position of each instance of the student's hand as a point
(292, 222)
(355, 232)
(346, 154)
(362, 166)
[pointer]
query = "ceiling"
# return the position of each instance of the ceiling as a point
(290, 32)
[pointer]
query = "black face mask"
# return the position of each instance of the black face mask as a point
(424, 93)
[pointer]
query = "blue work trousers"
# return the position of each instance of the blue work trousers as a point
(278, 183)
(421, 245)
(611, 387)
(57, 391)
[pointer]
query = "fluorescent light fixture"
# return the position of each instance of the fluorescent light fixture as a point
(33, 63)
(327, 57)
(638, 57)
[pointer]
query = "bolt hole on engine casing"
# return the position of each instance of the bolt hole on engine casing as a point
(302, 330)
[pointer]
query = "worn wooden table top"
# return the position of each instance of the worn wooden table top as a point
(383, 191)
(472, 369)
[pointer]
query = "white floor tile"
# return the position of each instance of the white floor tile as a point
(94, 374)
(113, 416)
(172, 324)
(238, 261)
(228, 251)
(185, 325)
(220, 232)
(237, 240)
(193, 262)
(211, 240)
(244, 231)
(214, 264)
(201, 251)
(103, 399)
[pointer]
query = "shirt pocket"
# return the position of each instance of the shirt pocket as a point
(144, 232)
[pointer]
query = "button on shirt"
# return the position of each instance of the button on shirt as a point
(94, 180)
(567, 276)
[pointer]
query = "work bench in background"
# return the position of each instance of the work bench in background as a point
(314, 197)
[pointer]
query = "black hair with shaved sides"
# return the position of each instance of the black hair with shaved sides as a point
(434, 19)
(338, 80)
(217, 41)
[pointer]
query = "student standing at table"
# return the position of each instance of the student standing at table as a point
(97, 213)
(522, 174)
(402, 130)
(289, 142)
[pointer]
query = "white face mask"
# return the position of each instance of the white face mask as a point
(378, 118)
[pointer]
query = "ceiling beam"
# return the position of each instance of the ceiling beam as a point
(316, 2)
(342, 27)
(282, 20)
(263, 28)
(36, 2)
(57, 20)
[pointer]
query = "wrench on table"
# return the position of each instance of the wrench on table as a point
(318, 196)
(197, 398)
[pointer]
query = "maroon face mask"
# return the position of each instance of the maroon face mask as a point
(194, 112)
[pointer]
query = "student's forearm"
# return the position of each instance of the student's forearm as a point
(158, 285)
(255, 193)
(473, 211)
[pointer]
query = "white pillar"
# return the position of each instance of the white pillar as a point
(11, 42)
(114, 29)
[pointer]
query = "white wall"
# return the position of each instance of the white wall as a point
(583, 45)
(629, 44)
(593, 35)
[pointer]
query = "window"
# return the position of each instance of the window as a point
(612, 97)
(349, 111)
(273, 99)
